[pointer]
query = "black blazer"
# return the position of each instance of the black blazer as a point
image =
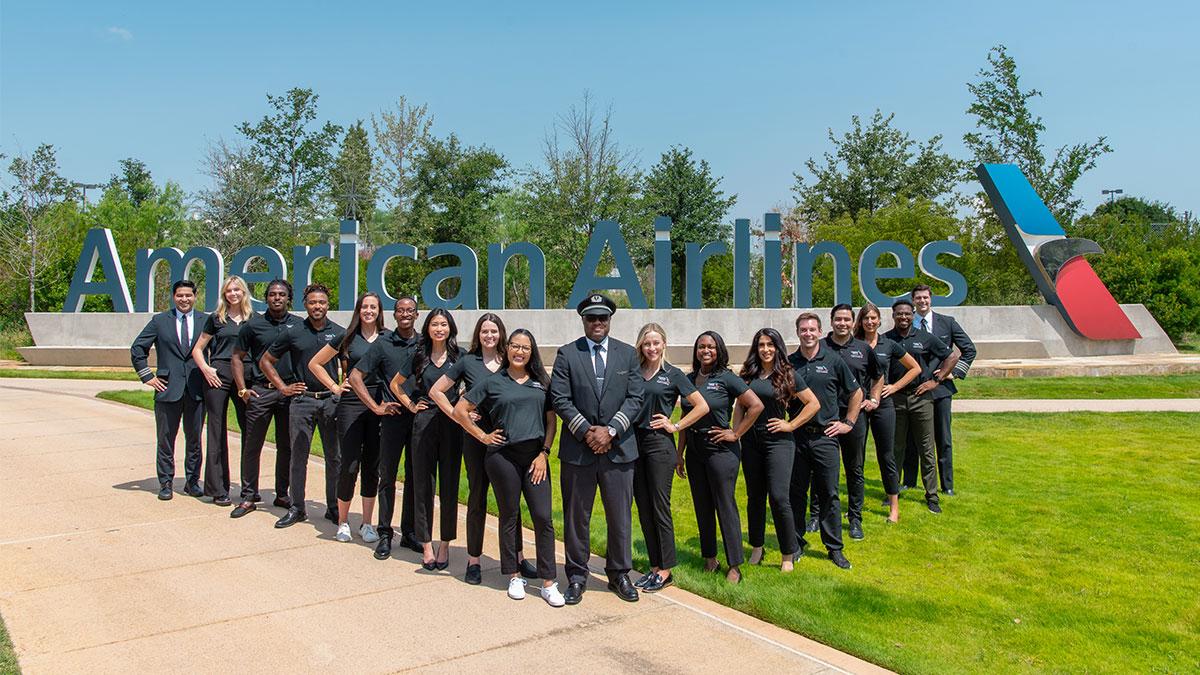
(175, 365)
(948, 331)
(575, 398)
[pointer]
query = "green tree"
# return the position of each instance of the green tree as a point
(30, 233)
(296, 153)
(135, 180)
(239, 207)
(350, 181)
(686, 192)
(399, 135)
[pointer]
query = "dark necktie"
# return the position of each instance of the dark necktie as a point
(599, 365)
(921, 324)
(185, 340)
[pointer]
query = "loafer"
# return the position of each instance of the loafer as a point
(658, 583)
(294, 515)
(242, 509)
(644, 579)
(474, 575)
(856, 530)
(222, 500)
(331, 514)
(528, 569)
(813, 525)
(574, 593)
(193, 491)
(383, 550)
(839, 559)
(165, 494)
(407, 541)
(282, 502)
(934, 507)
(624, 589)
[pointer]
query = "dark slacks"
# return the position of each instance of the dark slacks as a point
(395, 443)
(653, 475)
(882, 424)
(508, 469)
(260, 410)
(914, 439)
(767, 460)
(579, 485)
(310, 415)
(437, 452)
(712, 470)
(474, 456)
(816, 464)
(853, 446)
(944, 442)
(216, 405)
(358, 446)
(167, 417)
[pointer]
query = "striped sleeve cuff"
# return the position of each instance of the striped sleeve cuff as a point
(146, 374)
(960, 369)
(623, 420)
(576, 422)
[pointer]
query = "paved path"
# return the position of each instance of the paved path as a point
(96, 574)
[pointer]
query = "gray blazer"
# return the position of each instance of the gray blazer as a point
(574, 395)
(174, 364)
(947, 330)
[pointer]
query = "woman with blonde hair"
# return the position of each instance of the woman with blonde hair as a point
(221, 328)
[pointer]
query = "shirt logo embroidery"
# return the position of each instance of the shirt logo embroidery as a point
(856, 353)
(715, 386)
(821, 369)
(663, 379)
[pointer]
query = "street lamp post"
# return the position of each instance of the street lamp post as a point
(1112, 194)
(84, 187)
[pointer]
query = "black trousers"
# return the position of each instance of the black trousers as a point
(712, 470)
(437, 452)
(216, 407)
(474, 456)
(508, 470)
(395, 443)
(944, 441)
(816, 464)
(309, 415)
(358, 445)
(767, 460)
(882, 424)
(853, 446)
(260, 410)
(653, 475)
(579, 485)
(914, 440)
(167, 417)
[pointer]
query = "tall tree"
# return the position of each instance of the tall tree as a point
(1008, 132)
(28, 233)
(351, 180)
(399, 136)
(296, 152)
(453, 188)
(239, 207)
(134, 180)
(686, 192)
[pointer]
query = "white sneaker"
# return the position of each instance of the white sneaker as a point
(516, 588)
(343, 533)
(368, 533)
(551, 595)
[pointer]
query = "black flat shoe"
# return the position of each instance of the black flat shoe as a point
(624, 588)
(331, 515)
(856, 530)
(645, 579)
(658, 583)
(839, 559)
(242, 509)
(407, 541)
(934, 507)
(165, 494)
(293, 516)
(474, 575)
(528, 570)
(383, 550)
(222, 500)
(193, 491)
(574, 593)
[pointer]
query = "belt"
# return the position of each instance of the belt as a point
(317, 394)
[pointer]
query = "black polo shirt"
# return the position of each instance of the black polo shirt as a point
(386, 357)
(861, 359)
(830, 380)
(519, 408)
(661, 392)
(925, 347)
(468, 371)
(720, 391)
(256, 336)
(302, 343)
(357, 351)
(889, 353)
(224, 337)
(430, 374)
(772, 408)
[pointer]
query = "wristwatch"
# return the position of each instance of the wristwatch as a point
(242, 393)
(612, 432)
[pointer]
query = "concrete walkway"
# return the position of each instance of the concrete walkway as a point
(96, 574)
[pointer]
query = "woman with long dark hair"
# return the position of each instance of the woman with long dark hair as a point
(436, 440)
(898, 368)
(358, 427)
(711, 453)
(769, 449)
(515, 400)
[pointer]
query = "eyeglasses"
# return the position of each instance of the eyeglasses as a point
(520, 349)
(593, 318)
(406, 312)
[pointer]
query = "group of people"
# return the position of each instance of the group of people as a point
(379, 396)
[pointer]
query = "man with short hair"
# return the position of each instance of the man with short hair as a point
(178, 386)
(597, 390)
(314, 407)
(946, 329)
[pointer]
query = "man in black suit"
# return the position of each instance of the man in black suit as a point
(597, 390)
(178, 385)
(946, 329)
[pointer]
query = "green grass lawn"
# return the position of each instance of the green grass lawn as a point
(1071, 547)
(1118, 386)
(8, 657)
(125, 375)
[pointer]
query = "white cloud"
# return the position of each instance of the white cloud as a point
(123, 33)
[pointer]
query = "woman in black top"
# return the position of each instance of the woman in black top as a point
(436, 440)
(480, 362)
(898, 368)
(221, 328)
(654, 471)
(769, 449)
(518, 454)
(711, 453)
(358, 427)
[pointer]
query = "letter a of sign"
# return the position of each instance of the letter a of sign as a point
(1056, 261)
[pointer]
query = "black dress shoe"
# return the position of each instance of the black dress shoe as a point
(839, 559)
(645, 579)
(193, 491)
(165, 493)
(856, 530)
(657, 583)
(407, 541)
(474, 575)
(814, 524)
(383, 550)
(574, 593)
(282, 502)
(624, 589)
(933, 506)
(948, 491)
(242, 509)
(331, 515)
(528, 570)
(257, 499)
(442, 564)
(294, 515)
(222, 500)
(429, 566)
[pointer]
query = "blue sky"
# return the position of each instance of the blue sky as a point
(751, 87)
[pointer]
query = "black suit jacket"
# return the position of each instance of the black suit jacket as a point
(576, 400)
(948, 331)
(175, 364)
